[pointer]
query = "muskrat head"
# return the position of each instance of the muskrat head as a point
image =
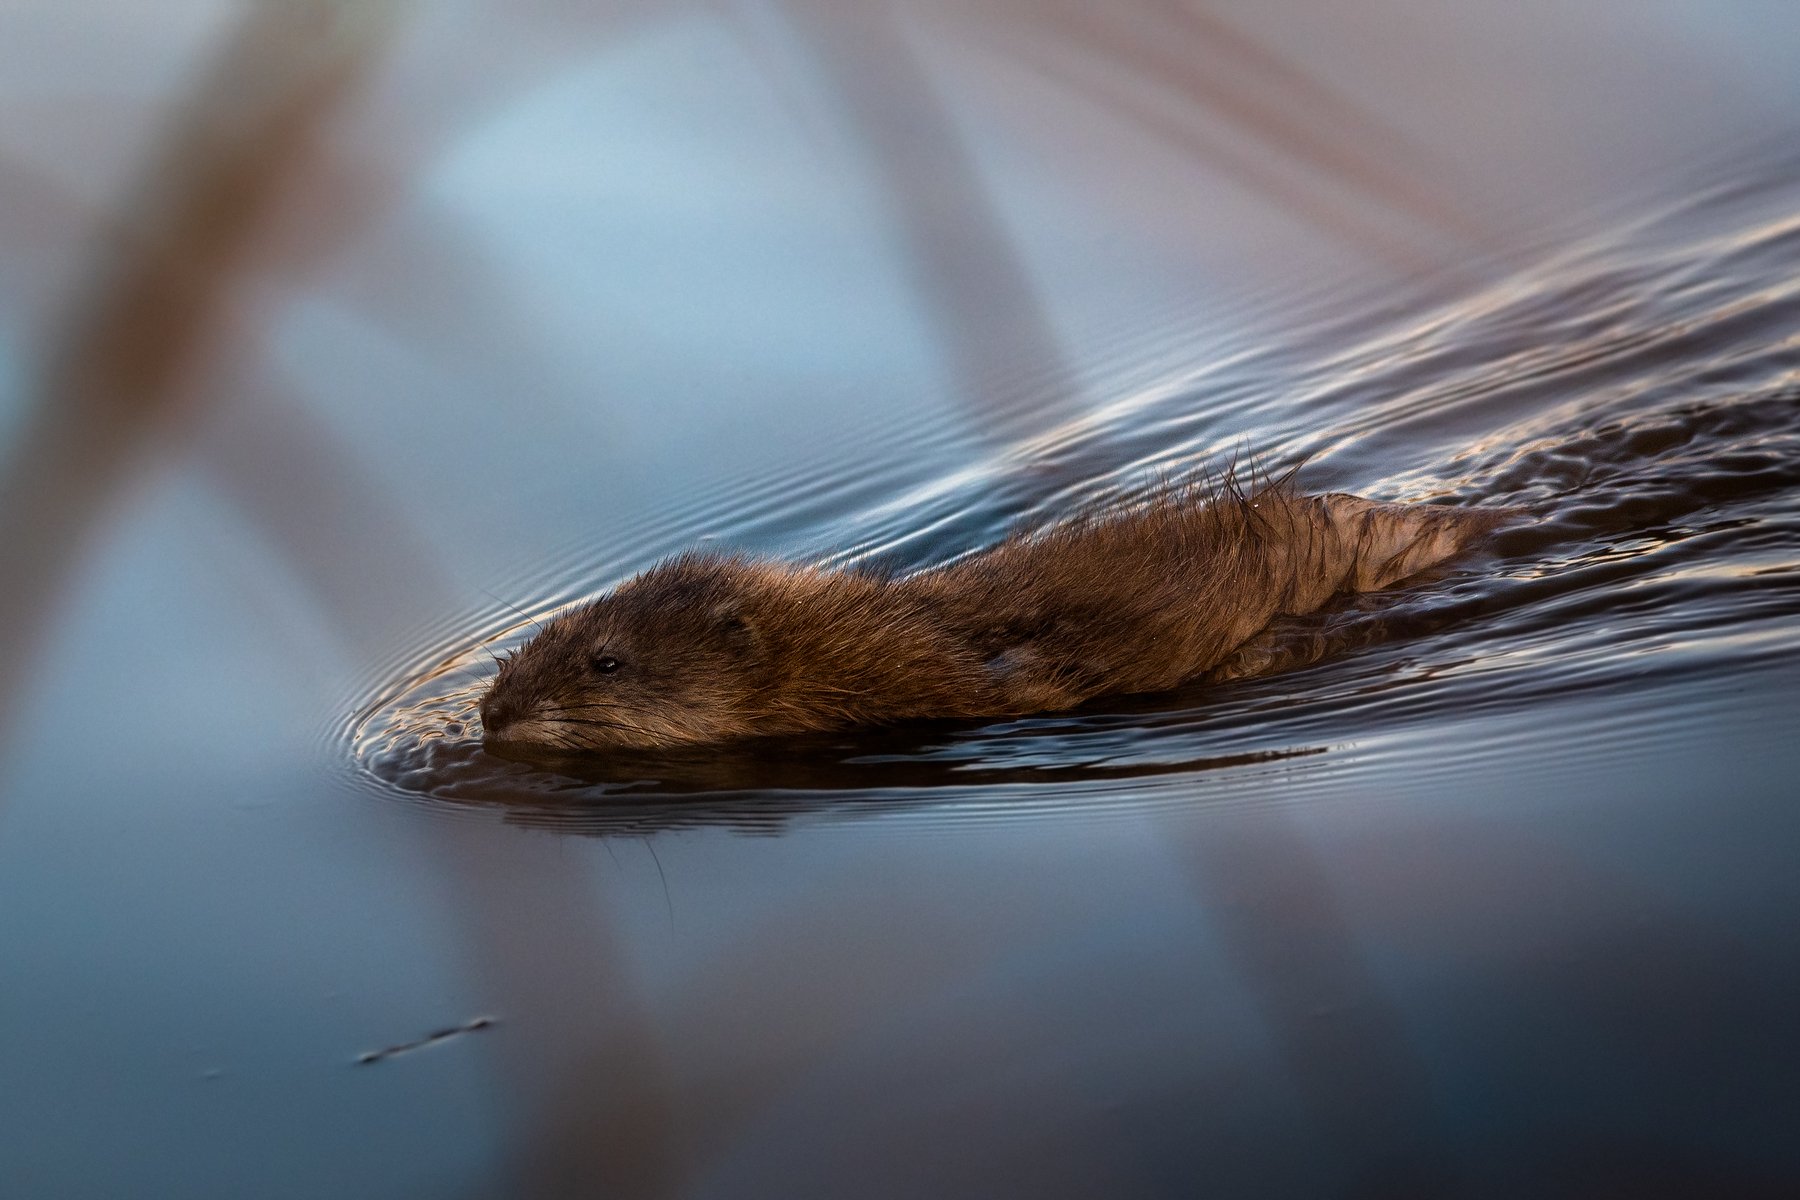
(668, 659)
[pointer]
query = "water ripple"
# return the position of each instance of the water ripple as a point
(1640, 395)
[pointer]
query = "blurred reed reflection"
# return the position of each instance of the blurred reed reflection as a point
(287, 175)
(164, 304)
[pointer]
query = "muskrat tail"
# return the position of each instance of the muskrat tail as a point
(1390, 542)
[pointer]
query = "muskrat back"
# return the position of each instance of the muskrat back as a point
(706, 648)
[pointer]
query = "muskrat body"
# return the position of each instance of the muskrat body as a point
(708, 648)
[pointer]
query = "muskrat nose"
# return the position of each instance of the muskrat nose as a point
(496, 714)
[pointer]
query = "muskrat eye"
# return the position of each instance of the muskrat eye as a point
(606, 664)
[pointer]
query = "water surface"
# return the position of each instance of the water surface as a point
(1494, 899)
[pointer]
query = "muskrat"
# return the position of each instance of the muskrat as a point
(710, 647)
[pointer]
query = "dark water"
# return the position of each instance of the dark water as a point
(1496, 899)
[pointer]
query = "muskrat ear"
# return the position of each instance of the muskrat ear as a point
(730, 618)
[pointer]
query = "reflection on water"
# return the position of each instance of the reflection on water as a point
(1644, 506)
(1487, 893)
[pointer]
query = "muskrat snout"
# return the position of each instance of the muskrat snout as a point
(498, 712)
(495, 715)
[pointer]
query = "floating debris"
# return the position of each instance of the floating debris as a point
(430, 1039)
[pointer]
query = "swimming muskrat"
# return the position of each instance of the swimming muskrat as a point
(705, 648)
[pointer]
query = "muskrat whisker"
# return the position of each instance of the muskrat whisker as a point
(578, 708)
(597, 724)
(532, 621)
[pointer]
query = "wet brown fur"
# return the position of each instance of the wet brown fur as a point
(712, 648)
